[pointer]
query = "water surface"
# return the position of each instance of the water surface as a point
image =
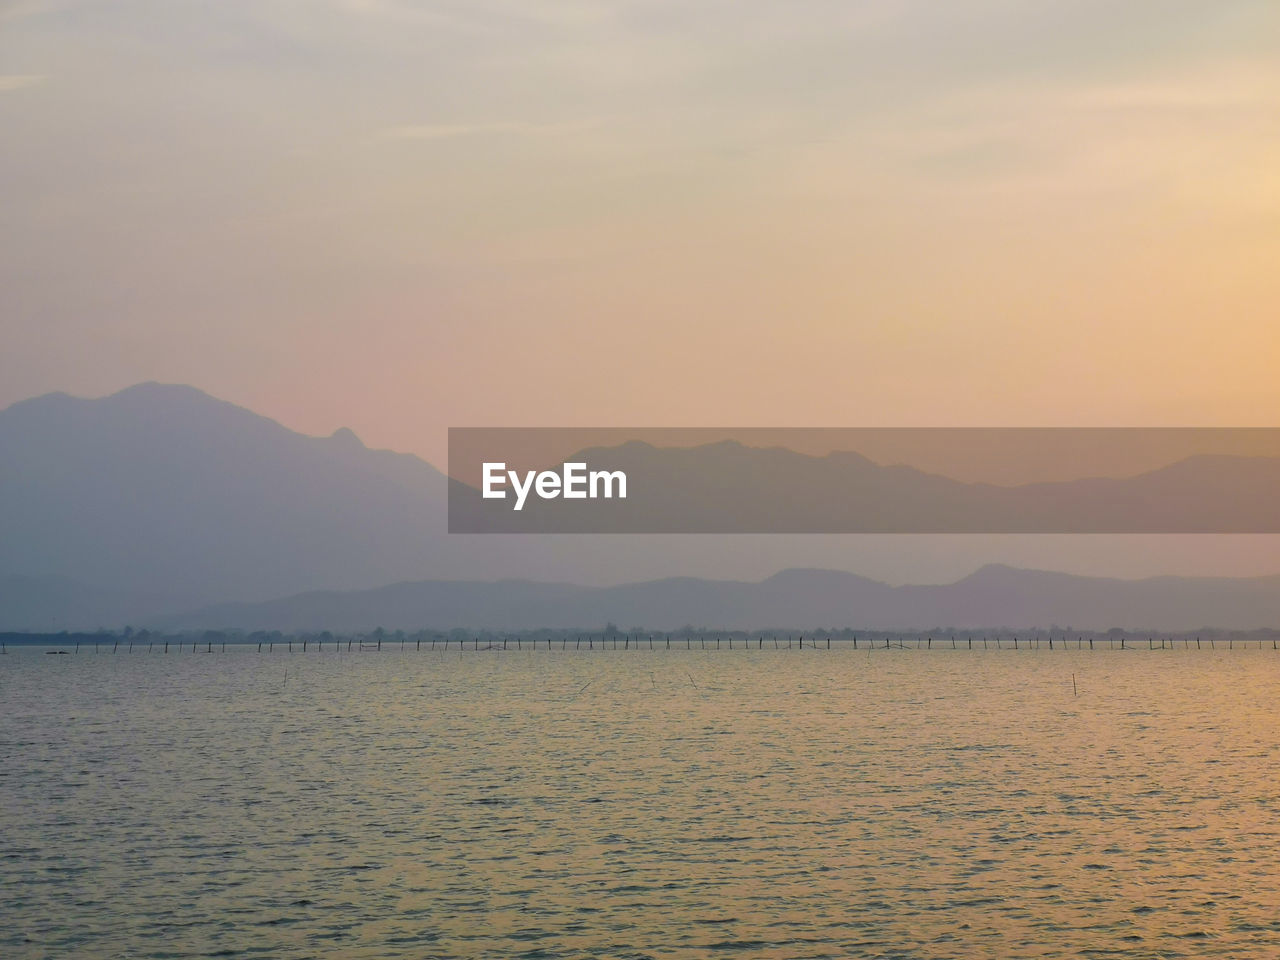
(746, 803)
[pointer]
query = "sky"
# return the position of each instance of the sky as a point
(401, 217)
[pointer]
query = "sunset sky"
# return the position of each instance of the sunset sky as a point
(403, 216)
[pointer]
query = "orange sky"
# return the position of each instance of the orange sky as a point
(403, 216)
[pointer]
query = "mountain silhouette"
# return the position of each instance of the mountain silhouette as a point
(161, 499)
(995, 596)
(166, 492)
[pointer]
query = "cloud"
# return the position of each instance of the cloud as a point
(16, 81)
(458, 131)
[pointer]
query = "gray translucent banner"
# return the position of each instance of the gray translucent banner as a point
(864, 480)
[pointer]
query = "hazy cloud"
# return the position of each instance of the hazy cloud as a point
(16, 81)
(455, 131)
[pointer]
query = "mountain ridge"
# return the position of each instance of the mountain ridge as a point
(995, 596)
(160, 499)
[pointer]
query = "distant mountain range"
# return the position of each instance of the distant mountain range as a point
(159, 500)
(727, 487)
(993, 597)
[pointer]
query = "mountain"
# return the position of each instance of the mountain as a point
(165, 492)
(161, 499)
(727, 487)
(995, 596)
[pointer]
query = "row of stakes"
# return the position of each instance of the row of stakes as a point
(743, 643)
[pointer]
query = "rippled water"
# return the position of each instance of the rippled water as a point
(640, 804)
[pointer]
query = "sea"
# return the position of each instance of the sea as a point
(772, 803)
